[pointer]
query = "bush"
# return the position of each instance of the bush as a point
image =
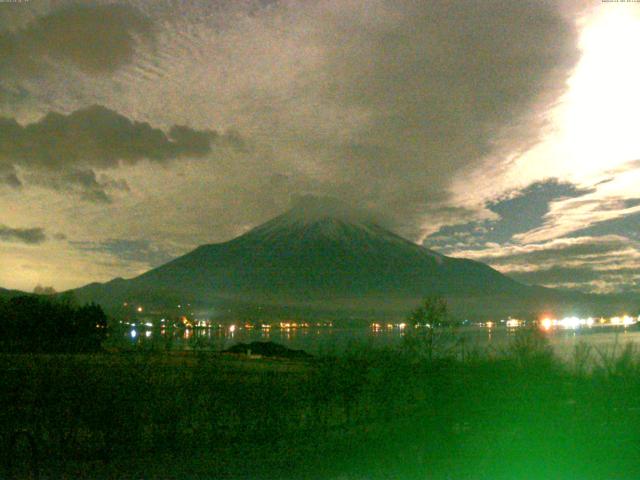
(530, 348)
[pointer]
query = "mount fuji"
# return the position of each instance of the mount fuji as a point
(323, 260)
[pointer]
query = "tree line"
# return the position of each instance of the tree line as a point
(48, 324)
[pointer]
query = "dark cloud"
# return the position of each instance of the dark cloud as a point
(559, 251)
(602, 257)
(127, 251)
(519, 212)
(22, 235)
(628, 225)
(631, 202)
(94, 38)
(85, 183)
(96, 136)
(578, 276)
(310, 207)
(9, 176)
(385, 104)
(12, 180)
(601, 263)
(62, 151)
(442, 85)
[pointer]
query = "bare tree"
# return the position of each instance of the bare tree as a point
(429, 332)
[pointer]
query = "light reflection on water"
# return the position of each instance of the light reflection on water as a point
(336, 339)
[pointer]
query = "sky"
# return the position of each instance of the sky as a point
(505, 132)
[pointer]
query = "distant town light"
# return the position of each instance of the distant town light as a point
(513, 323)
(570, 323)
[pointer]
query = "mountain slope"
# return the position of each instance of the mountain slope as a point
(325, 256)
(305, 257)
(4, 293)
(325, 260)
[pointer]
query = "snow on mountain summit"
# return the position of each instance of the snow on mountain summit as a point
(348, 227)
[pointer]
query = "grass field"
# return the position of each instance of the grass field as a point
(363, 415)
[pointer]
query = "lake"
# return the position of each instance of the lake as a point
(328, 340)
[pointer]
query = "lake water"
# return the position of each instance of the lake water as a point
(327, 340)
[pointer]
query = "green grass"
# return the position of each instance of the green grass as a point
(374, 414)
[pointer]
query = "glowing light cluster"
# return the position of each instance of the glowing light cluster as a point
(567, 323)
(624, 320)
(514, 323)
(573, 323)
(377, 327)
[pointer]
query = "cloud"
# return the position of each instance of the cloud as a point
(127, 251)
(96, 136)
(62, 151)
(310, 207)
(382, 105)
(96, 39)
(446, 84)
(626, 225)
(602, 263)
(600, 251)
(516, 213)
(23, 235)
(605, 202)
(577, 276)
(567, 247)
(83, 182)
(9, 177)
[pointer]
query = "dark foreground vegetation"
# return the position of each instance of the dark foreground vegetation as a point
(37, 323)
(423, 411)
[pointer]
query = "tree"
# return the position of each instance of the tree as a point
(40, 290)
(90, 326)
(33, 323)
(429, 331)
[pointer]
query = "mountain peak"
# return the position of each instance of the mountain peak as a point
(311, 209)
(318, 253)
